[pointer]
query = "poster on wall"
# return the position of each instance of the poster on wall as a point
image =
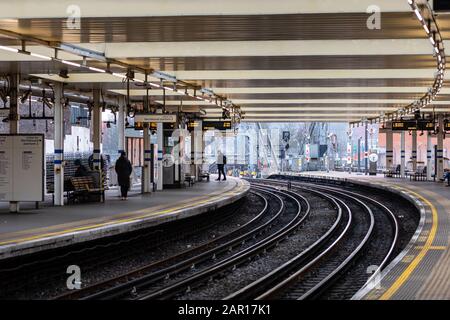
(22, 167)
(6, 172)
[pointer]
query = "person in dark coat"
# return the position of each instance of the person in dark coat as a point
(221, 162)
(123, 169)
(81, 169)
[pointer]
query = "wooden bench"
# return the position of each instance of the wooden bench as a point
(190, 180)
(417, 176)
(392, 174)
(204, 175)
(84, 188)
(69, 172)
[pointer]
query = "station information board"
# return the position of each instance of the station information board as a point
(22, 167)
(447, 125)
(441, 5)
(217, 125)
(406, 125)
(153, 126)
(192, 125)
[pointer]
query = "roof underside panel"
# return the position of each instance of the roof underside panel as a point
(286, 60)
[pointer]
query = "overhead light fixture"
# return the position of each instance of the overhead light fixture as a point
(40, 56)
(9, 49)
(154, 85)
(119, 75)
(97, 69)
(70, 63)
(419, 16)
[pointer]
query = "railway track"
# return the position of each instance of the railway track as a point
(38, 270)
(128, 284)
(317, 271)
(335, 254)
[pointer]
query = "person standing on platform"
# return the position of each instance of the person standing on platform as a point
(221, 162)
(123, 169)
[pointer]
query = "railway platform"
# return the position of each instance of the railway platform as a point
(51, 227)
(421, 271)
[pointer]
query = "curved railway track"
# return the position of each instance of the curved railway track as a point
(335, 254)
(193, 259)
(362, 229)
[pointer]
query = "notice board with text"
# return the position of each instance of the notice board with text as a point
(22, 160)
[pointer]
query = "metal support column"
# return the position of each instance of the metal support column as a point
(402, 154)
(160, 135)
(121, 125)
(359, 154)
(14, 121)
(366, 149)
(59, 146)
(193, 164)
(440, 149)
(429, 152)
(414, 150)
(146, 172)
(97, 133)
(389, 149)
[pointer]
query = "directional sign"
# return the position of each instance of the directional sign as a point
(158, 118)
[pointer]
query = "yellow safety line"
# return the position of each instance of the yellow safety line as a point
(173, 209)
(433, 248)
(428, 245)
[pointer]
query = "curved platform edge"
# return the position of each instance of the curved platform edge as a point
(144, 220)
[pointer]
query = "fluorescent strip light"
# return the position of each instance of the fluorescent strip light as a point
(432, 41)
(97, 69)
(426, 29)
(119, 75)
(40, 56)
(436, 49)
(9, 49)
(139, 80)
(419, 16)
(154, 85)
(70, 63)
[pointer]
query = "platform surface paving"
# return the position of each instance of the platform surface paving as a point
(423, 271)
(35, 227)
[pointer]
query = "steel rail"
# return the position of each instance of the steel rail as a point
(396, 232)
(237, 258)
(251, 290)
(98, 291)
